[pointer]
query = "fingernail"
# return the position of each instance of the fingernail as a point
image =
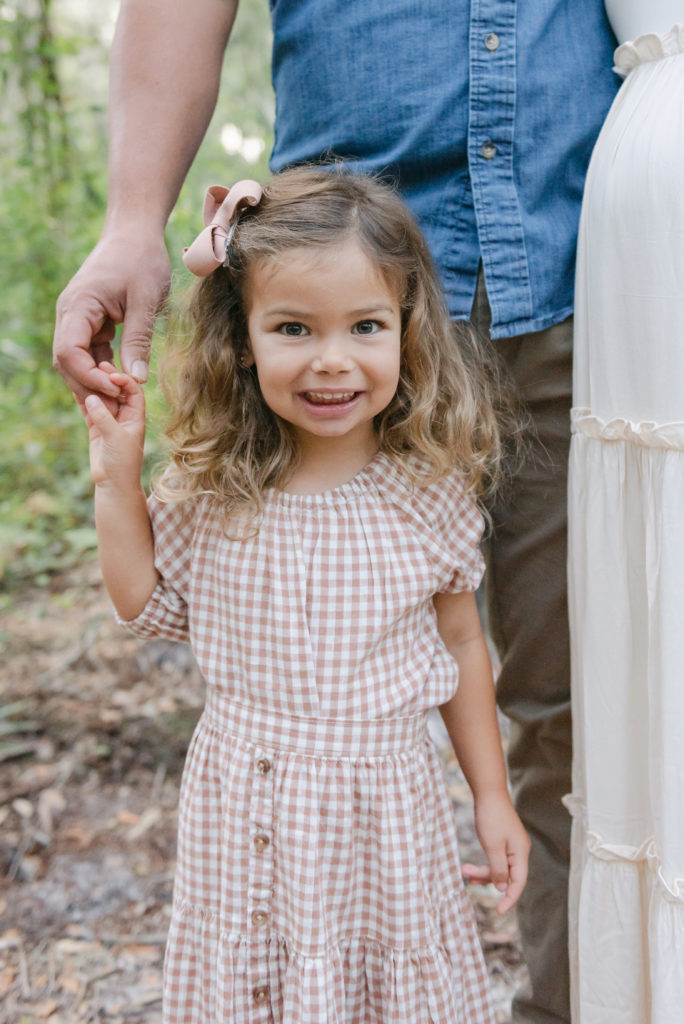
(91, 401)
(140, 371)
(501, 886)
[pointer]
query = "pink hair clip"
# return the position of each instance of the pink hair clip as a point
(220, 212)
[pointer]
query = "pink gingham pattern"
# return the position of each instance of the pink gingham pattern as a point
(318, 879)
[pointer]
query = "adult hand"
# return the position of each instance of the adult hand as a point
(125, 279)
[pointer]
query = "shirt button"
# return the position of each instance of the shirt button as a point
(261, 842)
(259, 918)
(263, 766)
(260, 994)
(488, 151)
(492, 42)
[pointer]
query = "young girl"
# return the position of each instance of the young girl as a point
(316, 539)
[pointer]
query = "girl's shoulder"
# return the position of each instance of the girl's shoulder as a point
(439, 504)
(444, 519)
(413, 479)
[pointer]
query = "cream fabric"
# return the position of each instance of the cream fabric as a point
(626, 559)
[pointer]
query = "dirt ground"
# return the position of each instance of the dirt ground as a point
(94, 726)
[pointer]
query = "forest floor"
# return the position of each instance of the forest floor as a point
(94, 726)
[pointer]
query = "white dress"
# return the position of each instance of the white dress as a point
(627, 554)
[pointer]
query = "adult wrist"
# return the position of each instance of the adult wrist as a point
(130, 226)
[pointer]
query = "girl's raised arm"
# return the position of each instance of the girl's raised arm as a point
(124, 531)
(470, 719)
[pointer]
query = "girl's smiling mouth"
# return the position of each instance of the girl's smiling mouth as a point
(329, 398)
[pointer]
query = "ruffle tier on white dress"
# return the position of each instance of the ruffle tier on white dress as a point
(627, 555)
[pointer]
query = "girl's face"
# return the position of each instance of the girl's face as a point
(325, 333)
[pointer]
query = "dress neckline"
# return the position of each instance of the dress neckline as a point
(357, 485)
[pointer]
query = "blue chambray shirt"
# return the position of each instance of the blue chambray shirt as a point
(485, 113)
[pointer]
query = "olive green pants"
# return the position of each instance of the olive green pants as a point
(528, 622)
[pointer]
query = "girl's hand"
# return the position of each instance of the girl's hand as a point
(506, 846)
(116, 440)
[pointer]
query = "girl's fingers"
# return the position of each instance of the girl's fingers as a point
(511, 884)
(132, 396)
(498, 866)
(97, 412)
(510, 897)
(129, 408)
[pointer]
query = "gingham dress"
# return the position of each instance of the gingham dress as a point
(318, 878)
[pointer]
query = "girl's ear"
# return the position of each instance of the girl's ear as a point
(246, 359)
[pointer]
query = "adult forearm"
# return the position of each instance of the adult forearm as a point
(165, 72)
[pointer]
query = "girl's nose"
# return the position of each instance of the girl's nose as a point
(331, 356)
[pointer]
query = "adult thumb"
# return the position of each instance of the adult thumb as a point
(136, 343)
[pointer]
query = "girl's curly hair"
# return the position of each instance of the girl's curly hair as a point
(226, 442)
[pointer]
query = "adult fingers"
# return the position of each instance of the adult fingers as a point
(476, 873)
(73, 353)
(136, 344)
(83, 377)
(138, 326)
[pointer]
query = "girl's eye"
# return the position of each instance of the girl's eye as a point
(366, 327)
(292, 329)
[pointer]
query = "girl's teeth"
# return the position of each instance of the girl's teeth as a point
(319, 396)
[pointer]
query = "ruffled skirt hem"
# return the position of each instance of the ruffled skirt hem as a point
(212, 974)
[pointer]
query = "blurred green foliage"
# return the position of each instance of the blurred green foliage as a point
(52, 198)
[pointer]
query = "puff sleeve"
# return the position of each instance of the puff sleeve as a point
(165, 615)
(453, 530)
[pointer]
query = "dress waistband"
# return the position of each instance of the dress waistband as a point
(650, 47)
(317, 737)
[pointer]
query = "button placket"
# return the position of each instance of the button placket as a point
(260, 884)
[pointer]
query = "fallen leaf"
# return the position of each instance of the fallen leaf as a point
(10, 939)
(23, 807)
(138, 952)
(46, 1009)
(127, 818)
(51, 802)
(148, 819)
(78, 834)
(68, 983)
(7, 976)
(498, 939)
(80, 946)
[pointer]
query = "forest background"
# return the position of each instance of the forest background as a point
(53, 185)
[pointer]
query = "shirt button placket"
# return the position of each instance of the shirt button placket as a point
(492, 43)
(260, 881)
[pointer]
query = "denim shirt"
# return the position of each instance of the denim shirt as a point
(483, 111)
